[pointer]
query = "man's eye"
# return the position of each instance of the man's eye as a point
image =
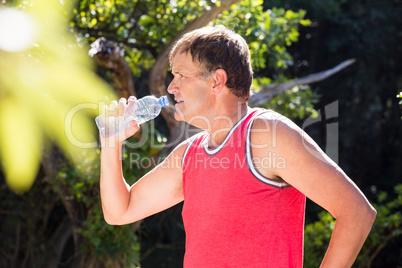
(178, 75)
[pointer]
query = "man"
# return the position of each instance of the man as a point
(241, 209)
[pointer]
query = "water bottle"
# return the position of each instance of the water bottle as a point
(142, 110)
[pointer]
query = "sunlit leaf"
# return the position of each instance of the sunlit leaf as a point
(52, 93)
(20, 144)
(305, 22)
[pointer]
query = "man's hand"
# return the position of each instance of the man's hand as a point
(115, 113)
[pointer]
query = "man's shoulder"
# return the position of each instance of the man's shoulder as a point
(271, 124)
(270, 118)
(181, 148)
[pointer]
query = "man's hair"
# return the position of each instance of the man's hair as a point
(219, 48)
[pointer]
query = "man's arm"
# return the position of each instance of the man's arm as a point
(160, 189)
(312, 172)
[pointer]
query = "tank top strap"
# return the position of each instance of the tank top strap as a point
(195, 141)
(248, 152)
(255, 112)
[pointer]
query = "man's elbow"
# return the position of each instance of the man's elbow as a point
(366, 216)
(371, 214)
(109, 220)
(112, 221)
(362, 215)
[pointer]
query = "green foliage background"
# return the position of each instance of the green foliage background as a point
(287, 39)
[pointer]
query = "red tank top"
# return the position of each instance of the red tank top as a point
(234, 216)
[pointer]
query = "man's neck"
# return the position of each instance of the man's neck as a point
(224, 121)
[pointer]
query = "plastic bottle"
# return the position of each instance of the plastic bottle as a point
(142, 110)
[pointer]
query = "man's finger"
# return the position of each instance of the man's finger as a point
(121, 106)
(112, 108)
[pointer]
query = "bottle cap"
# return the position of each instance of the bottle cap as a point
(163, 101)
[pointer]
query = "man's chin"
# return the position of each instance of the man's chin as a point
(178, 116)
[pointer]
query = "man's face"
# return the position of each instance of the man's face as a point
(191, 92)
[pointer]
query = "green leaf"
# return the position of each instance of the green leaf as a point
(20, 145)
(96, 241)
(305, 22)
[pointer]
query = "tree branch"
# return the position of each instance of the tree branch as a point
(110, 56)
(270, 91)
(17, 242)
(57, 242)
(378, 249)
(134, 26)
(52, 162)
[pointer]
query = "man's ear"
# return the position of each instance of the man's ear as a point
(220, 78)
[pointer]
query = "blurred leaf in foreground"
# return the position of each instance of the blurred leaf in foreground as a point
(48, 90)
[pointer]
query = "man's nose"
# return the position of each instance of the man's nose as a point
(173, 87)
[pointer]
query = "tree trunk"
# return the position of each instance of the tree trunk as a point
(110, 55)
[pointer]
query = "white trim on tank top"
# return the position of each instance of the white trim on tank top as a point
(215, 150)
(249, 159)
